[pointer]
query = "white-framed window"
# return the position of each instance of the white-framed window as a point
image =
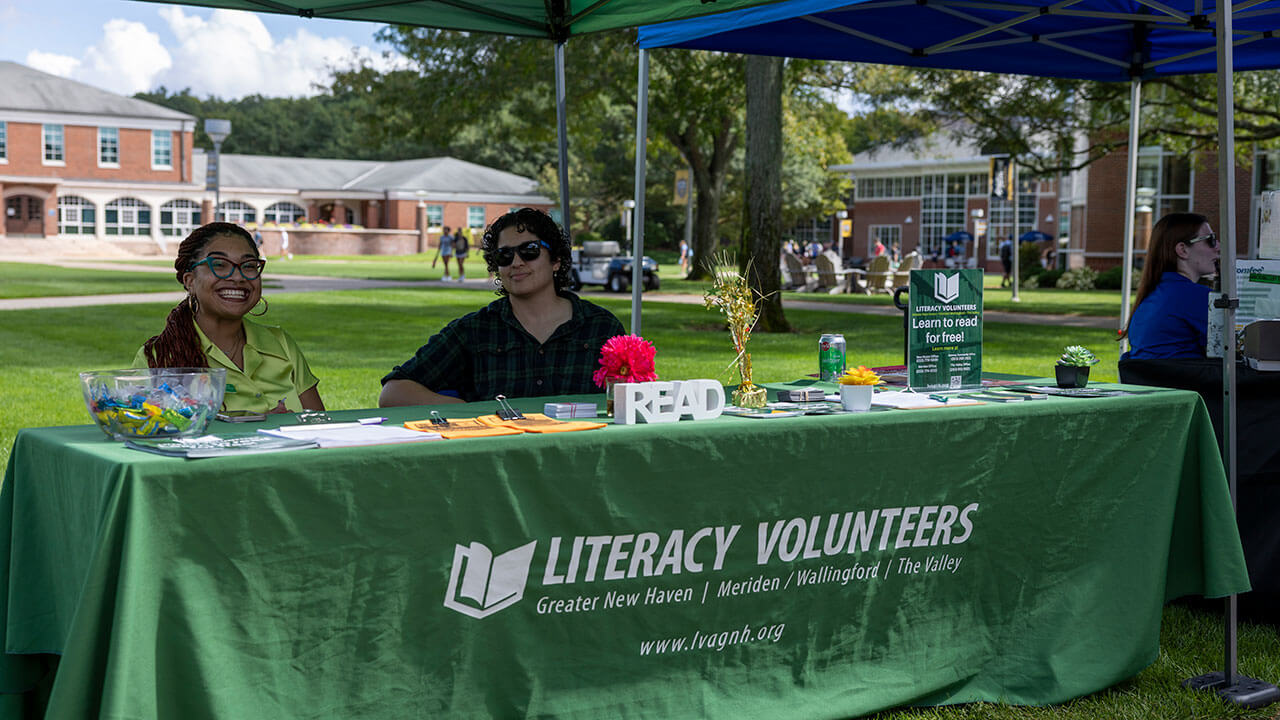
(235, 211)
(161, 149)
(179, 217)
(889, 235)
(475, 216)
(127, 216)
(1267, 164)
(1164, 181)
(4, 141)
(53, 145)
(887, 187)
(284, 212)
(435, 215)
(109, 147)
(75, 216)
(941, 210)
(810, 231)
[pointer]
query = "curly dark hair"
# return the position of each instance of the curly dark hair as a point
(177, 345)
(544, 228)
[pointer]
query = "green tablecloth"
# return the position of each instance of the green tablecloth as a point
(725, 567)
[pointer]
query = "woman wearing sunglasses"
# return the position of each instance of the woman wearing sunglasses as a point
(1170, 316)
(536, 339)
(221, 269)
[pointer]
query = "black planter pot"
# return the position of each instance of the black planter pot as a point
(1071, 376)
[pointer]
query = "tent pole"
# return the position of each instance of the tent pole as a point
(1229, 684)
(1130, 205)
(562, 138)
(637, 219)
(1017, 241)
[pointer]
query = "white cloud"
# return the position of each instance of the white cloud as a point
(127, 60)
(225, 53)
(232, 54)
(53, 63)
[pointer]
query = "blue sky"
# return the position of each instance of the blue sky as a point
(127, 47)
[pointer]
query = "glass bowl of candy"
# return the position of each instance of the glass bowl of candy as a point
(153, 402)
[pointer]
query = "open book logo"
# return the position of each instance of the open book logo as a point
(946, 289)
(481, 584)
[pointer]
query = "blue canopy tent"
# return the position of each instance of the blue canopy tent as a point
(1105, 40)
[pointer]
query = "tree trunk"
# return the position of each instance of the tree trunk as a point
(764, 188)
(708, 183)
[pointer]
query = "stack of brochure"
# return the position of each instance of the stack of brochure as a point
(569, 410)
(217, 446)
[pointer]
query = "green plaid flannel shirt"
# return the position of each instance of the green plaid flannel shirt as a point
(488, 353)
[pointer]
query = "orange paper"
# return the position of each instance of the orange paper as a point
(462, 428)
(539, 423)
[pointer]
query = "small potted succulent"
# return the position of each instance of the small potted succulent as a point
(1072, 369)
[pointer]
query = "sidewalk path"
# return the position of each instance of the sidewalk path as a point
(316, 283)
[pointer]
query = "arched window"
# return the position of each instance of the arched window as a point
(179, 217)
(75, 216)
(237, 212)
(127, 216)
(284, 212)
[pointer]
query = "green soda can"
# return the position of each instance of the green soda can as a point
(831, 357)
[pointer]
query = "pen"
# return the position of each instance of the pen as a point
(939, 398)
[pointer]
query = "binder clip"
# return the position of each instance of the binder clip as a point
(505, 411)
(437, 419)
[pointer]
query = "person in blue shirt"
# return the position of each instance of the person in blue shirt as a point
(1170, 316)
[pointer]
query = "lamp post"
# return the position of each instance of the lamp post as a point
(217, 130)
(627, 207)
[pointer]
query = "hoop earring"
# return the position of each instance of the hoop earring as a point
(194, 304)
(265, 306)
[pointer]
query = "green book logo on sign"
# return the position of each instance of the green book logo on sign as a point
(944, 334)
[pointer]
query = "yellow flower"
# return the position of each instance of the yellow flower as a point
(859, 376)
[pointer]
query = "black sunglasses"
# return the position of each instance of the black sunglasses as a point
(529, 251)
(223, 268)
(1211, 240)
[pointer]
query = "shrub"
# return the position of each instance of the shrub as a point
(1081, 278)
(1110, 279)
(1029, 260)
(1049, 278)
(1031, 283)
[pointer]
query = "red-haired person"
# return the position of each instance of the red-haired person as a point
(221, 268)
(1170, 316)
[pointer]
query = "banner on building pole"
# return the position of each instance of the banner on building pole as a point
(944, 337)
(682, 188)
(1002, 178)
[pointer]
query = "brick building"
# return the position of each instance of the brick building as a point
(917, 196)
(84, 168)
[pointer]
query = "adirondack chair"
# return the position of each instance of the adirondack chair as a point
(832, 277)
(797, 277)
(902, 276)
(879, 275)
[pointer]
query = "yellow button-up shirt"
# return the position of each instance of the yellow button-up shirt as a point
(274, 370)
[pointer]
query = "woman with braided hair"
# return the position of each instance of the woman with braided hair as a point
(221, 269)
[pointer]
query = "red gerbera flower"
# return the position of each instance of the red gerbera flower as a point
(626, 358)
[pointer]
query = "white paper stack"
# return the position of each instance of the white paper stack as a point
(569, 411)
(352, 434)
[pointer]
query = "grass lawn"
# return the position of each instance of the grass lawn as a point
(352, 337)
(20, 280)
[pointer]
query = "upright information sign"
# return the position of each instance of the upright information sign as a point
(944, 340)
